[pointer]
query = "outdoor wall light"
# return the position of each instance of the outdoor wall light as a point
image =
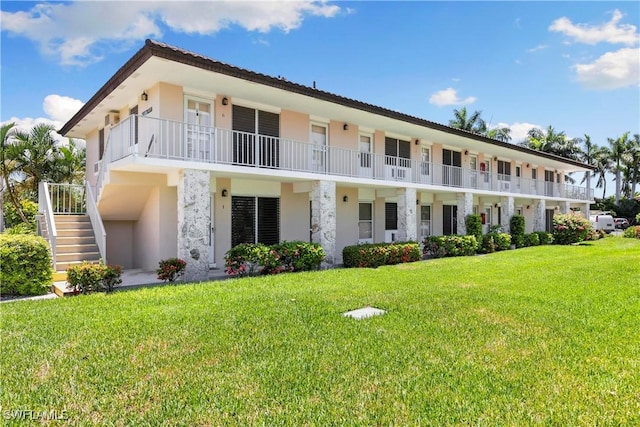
(225, 101)
(528, 165)
(528, 207)
(144, 96)
(417, 141)
(466, 152)
(345, 198)
(225, 193)
(417, 202)
(495, 206)
(345, 126)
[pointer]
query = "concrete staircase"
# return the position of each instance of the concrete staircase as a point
(75, 243)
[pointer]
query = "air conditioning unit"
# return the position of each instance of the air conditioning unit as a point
(113, 118)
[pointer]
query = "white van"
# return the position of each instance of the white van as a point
(603, 222)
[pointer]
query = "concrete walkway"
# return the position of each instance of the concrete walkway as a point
(131, 279)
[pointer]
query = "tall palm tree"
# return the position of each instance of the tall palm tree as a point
(500, 134)
(553, 142)
(618, 150)
(70, 164)
(473, 123)
(602, 157)
(633, 164)
(588, 156)
(39, 155)
(9, 153)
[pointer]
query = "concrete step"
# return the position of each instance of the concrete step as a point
(74, 232)
(82, 249)
(71, 225)
(64, 266)
(70, 218)
(62, 288)
(75, 240)
(77, 256)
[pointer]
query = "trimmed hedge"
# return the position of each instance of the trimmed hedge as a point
(26, 265)
(249, 258)
(516, 228)
(544, 237)
(531, 239)
(373, 255)
(474, 226)
(91, 277)
(494, 242)
(446, 246)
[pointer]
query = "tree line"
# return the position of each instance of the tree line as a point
(620, 157)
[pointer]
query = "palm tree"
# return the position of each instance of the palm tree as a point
(39, 155)
(633, 164)
(70, 163)
(602, 157)
(618, 151)
(9, 153)
(473, 123)
(553, 142)
(500, 134)
(588, 156)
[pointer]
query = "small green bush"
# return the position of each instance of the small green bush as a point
(493, 242)
(632, 232)
(21, 228)
(516, 228)
(11, 217)
(531, 239)
(373, 255)
(170, 269)
(474, 226)
(448, 246)
(94, 277)
(25, 265)
(570, 228)
(544, 237)
(248, 258)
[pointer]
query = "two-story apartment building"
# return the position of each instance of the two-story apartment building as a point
(189, 156)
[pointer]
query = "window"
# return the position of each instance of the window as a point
(134, 112)
(319, 139)
(245, 122)
(255, 220)
(534, 173)
(504, 170)
(390, 216)
(365, 222)
(452, 167)
(425, 158)
(100, 144)
(450, 219)
(365, 151)
(425, 221)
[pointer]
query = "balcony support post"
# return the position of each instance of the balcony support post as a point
(565, 207)
(465, 208)
(507, 205)
(407, 219)
(323, 219)
(539, 215)
(193, 223)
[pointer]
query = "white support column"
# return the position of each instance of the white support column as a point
(586, 209)
(565, 207)
(508, 209)
(465, 207)
(194, 213)
(323, 219)
(539, 215)
(407, 218)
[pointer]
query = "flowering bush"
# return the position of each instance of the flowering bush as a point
(445, 246)
(170, 269)
(570, 228)
(91, 277)
(248, 258)
(373, 255)
(632, 232)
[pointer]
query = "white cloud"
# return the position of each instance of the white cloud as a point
(610, 32)
(537, 48)
(449, 96)
(61, 108)
(78, 33)
(611, 71)
(26, 123)
(519, 130)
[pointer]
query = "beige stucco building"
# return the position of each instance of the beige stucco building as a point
(189, 156)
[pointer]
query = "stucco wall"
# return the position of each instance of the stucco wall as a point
(346, 219)
(338, 137)
(171, 104)
(146, 242)
(92, 156)
(119, 243)
(294, 214)
(294, 125)
(222, 220)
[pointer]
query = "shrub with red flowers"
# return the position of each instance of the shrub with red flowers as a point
(248, 259)
(373, 255)
(570, 228)
(94, 277)
(170, 269)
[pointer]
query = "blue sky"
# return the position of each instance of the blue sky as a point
(572, 65)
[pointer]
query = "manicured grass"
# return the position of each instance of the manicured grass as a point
(546, 335)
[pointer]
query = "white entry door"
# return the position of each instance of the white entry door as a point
(199, 131)
(319, 151)
(473, 170)
(366, 159)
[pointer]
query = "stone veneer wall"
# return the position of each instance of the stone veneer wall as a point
(407, 214)
(194, 216)
(508, 208)
(465, 207)
(323, 219)
(539, 212)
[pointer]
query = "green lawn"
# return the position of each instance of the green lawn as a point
(546, 335)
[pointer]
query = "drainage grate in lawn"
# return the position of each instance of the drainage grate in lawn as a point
(364, 313)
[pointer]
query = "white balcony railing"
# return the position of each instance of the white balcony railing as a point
(166, 139)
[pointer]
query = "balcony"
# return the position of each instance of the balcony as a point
(164, 139)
